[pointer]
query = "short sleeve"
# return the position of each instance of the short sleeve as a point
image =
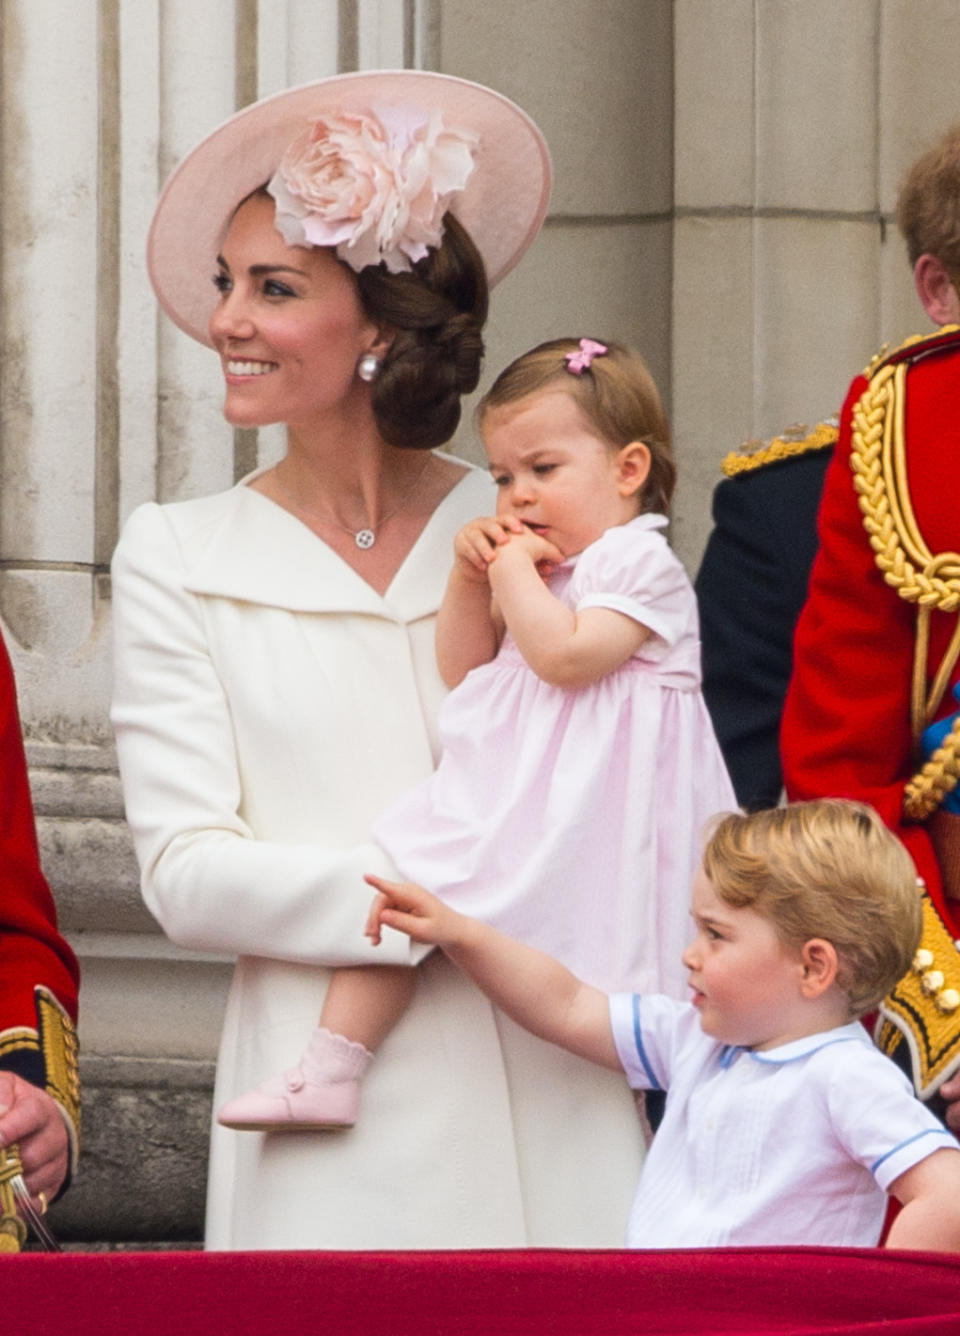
(878, 1119)
(632, 570)
(649, 1030)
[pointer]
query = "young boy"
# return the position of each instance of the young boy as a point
(783, 1124)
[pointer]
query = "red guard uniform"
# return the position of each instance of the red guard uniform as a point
(38, 970)
(847, 721)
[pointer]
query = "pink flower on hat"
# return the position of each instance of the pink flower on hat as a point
(373, 184)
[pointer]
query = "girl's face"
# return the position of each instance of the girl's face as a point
(289, 325)
(556, 475)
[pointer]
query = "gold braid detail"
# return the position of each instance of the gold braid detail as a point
(793, 442)
(878, 462)
(938, 777)
(13, 1231)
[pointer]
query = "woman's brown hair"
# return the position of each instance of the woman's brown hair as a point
(437, 313)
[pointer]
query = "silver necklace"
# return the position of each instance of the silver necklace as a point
(366, 537)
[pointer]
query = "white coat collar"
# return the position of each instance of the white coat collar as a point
(256, 552)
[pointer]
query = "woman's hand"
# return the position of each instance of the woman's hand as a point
(32, 1119)
(411, 909)
(477, 543)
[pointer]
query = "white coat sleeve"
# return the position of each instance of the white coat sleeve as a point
(210, 883)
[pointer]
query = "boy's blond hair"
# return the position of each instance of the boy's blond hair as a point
(827, 869)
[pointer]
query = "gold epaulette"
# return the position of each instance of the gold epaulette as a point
(923, 1010)
(796, 440)
(914, 348)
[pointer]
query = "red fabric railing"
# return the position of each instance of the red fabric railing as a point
(566, 1293)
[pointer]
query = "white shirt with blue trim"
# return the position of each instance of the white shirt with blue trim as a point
(793, 1145)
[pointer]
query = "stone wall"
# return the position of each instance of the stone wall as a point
(794, 123)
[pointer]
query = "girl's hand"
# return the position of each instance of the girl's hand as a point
(412, 910)
(546, 556)
(476, 545)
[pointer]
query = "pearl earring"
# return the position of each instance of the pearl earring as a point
(368, 366)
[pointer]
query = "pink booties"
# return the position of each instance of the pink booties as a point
(322, 1091)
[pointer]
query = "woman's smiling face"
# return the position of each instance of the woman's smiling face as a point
(289, 325)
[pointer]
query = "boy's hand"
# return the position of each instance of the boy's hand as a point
(476, 545)
(372, 927)
(412, 910)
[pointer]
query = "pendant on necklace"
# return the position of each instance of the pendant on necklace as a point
(364, 538)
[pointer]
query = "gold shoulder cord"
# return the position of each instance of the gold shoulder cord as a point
(878, 461)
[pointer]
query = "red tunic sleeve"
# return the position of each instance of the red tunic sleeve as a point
(38, 970)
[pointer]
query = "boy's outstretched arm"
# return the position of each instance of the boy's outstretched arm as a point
(930, 1197)
(531, 987)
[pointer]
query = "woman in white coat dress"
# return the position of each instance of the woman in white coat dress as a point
(275, 678)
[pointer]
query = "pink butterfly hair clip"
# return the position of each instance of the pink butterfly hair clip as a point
(579, 362)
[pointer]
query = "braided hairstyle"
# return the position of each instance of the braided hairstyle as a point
(438, 311)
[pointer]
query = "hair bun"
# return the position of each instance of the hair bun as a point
(437, 313)
(416, 397)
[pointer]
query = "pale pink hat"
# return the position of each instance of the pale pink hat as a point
(502, 206)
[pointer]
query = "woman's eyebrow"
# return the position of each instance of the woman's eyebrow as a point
(258, 270)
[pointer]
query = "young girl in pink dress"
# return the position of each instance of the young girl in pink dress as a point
(579, 765)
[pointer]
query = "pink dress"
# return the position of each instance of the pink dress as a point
(572, 818)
